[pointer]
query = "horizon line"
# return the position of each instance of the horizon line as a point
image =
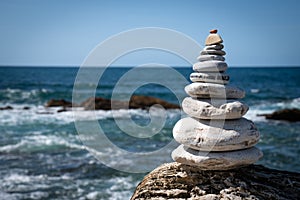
(176, 66)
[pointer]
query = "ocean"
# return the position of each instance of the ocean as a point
(42, 155)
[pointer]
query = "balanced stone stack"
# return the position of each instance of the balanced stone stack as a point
(215, 136)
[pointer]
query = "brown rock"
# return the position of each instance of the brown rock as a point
(179, 181)
(99, 103)
(291, 115)
(145, 102)
(213, 31)
(58, 102)
(62, 110)
(136, 102)
(6, 108)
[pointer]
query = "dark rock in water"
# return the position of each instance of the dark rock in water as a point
(136, 102)
(145, 102)
(6, 108)
(26, 108)
(62, 110)
(179, 181)
(58, 102)
(291, 115)
(99, 103)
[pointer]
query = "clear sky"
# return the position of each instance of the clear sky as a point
(61, 32)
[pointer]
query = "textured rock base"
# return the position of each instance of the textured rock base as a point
(179, 181)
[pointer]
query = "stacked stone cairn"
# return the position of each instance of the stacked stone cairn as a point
(215, 136)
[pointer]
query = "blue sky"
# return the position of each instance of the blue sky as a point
(61, 32)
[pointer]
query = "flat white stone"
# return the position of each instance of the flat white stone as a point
(214, 109)
(212, 90)
(202, 58)
(213, 52)
(214, 47)
(216, 160)
(216, 135)
(210, 66)
(213, 38)
(220, 78)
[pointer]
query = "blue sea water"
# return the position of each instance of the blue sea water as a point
(42, 157)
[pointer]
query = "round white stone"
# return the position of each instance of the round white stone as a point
(216, 160)
(214, 47)
(212, 90)
(220, 78)
(216, 135)
(202, 58)
(214, 109)
(213, 52)
(210, 66)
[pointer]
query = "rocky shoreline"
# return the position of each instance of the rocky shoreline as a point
(99, 103)
(180, 181)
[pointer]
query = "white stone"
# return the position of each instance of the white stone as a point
(212, 90)
(220, 78)
(210, 66)
(202, 58)
(213, 38)
(213, 52)
(214, 109)
(214, 47)
(216, 135)
(216, 160)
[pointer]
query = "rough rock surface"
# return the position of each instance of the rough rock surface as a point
(220, 78)
(179, 181)
(216, 109)
(213, 90)
(210, 66)
(292, 115)
(224, 160)
(217, 135)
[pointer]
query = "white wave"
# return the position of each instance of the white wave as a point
(121, 188)
(41, 114)
(267, 108)
(38, 142)
(36, 186)
(9, 196)
(93, 195)
(121, 195)
(253, 113)
(22, 178)
(23, 183)
(16, 94)
(254, 90)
